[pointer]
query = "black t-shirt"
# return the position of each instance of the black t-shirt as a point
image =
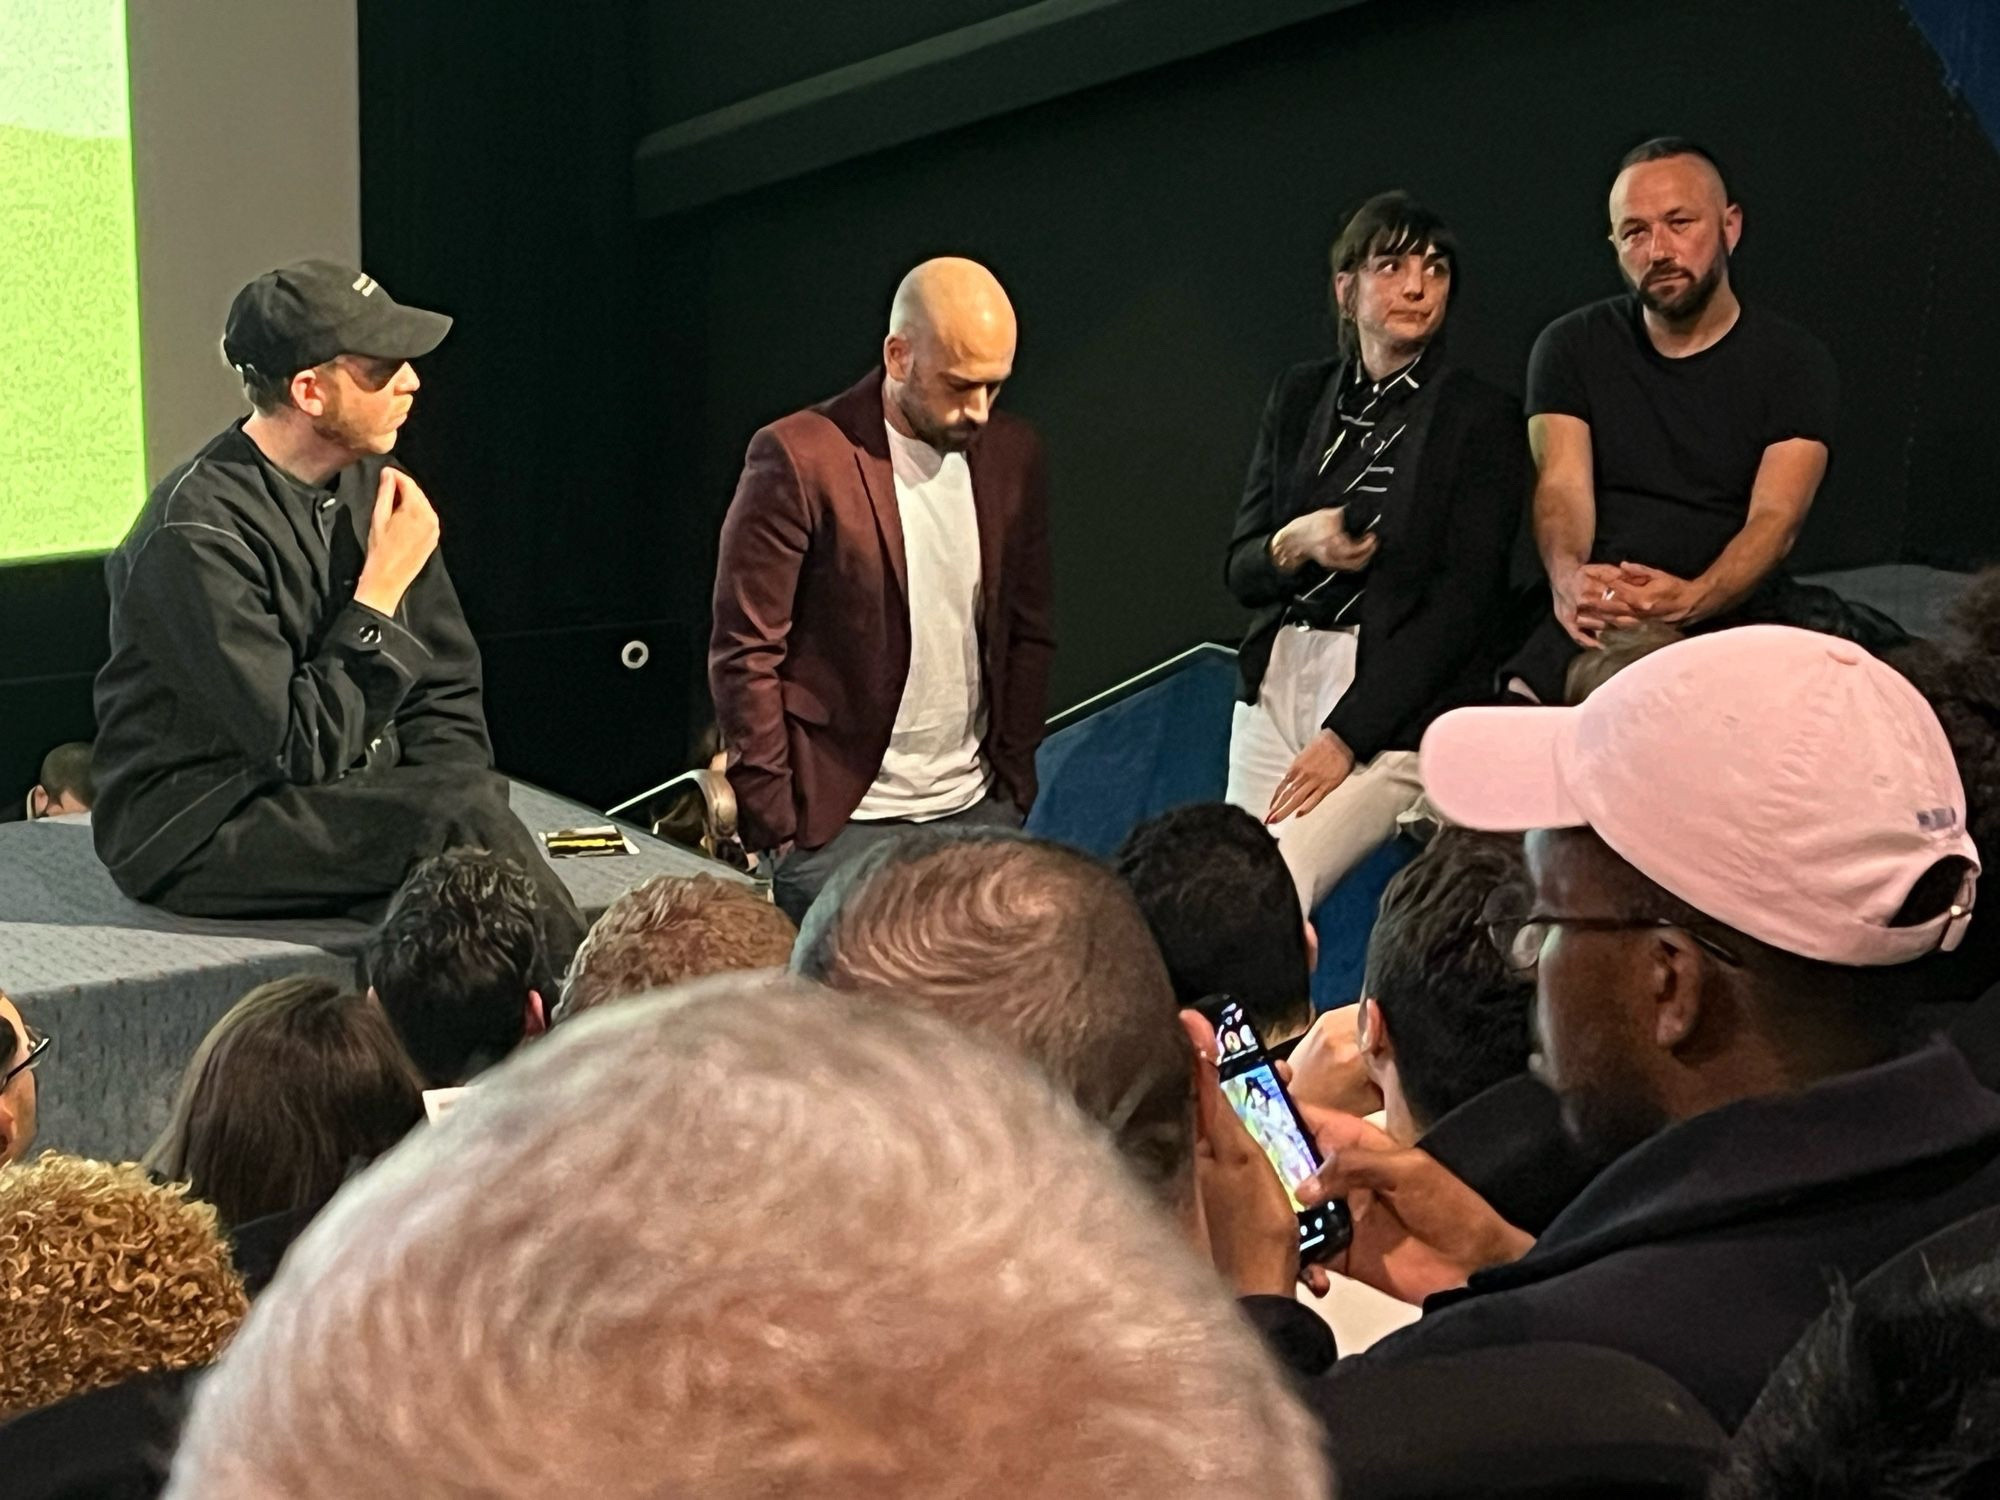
(1675, 443)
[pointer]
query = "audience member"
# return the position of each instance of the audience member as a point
(22, 1046)
(1731, 838)
(670, 929)
(461, 965)
(1618, 647)
(65, 789)
(1680, 435)
(1440, 1042)
(1036, 945)
(1219, 899)
(1892, 1397)
(108, 1275)
(1045, 950)
(293, 1089)
(1442, 1018)
(881, 643)
(931, 1280)
(1372, 540)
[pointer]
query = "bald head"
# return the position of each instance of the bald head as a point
(958, 300)
(949, 349)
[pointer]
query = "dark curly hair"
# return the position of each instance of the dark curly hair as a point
(1897, 1396)
(454, 959)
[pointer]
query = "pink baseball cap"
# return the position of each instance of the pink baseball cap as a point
(1783, 782)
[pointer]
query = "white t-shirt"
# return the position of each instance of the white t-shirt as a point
(932, 768)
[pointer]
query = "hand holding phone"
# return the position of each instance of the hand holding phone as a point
(1250, 1083)
(1417, 1230)
(1253, 1239)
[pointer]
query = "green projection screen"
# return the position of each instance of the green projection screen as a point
(72, 437)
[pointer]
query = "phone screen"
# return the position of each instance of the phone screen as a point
(1250, 1083)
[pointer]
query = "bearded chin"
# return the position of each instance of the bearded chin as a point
(1690, 303)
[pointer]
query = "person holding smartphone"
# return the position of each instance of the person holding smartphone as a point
(1372, 541)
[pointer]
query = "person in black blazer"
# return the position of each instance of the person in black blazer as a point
(1372, 541)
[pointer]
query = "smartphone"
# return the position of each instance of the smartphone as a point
(1250, 1084)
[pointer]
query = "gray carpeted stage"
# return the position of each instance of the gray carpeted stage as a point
(128, 990)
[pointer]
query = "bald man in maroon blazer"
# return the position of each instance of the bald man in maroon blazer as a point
(881, 643)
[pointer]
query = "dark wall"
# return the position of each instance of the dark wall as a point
(52, 641)
(703, 57)
(1164, 240)
(496, 185)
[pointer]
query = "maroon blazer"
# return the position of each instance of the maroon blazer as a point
(811, 639)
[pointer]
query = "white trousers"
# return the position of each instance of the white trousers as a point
(1309, 671)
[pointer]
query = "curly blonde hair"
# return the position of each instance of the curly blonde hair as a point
(105, 1275)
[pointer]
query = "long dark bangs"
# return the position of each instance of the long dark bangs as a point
(1392, 223)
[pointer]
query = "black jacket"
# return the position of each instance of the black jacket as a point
(1707, 1250)
(112, 1443)
(1437, 588)
(240, 661)
(1507, 1143)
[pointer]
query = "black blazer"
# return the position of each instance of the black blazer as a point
(1433, 616)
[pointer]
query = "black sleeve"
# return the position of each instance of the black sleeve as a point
(1296, 1335)
(1555, 378)
(1804, 392)
(443, 719)
(202, 592)
(1248, 570)
(1403, 674)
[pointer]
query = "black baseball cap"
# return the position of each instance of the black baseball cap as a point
(304, 314)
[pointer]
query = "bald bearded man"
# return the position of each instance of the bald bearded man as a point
(881, 643)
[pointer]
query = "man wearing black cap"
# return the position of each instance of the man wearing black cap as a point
(291, 714)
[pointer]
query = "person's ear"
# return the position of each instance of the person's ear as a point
(309, 392)
(1312, 947)
(1371, 1031)
(38, 802)
(1732, 225)
(896, 356)
(534, 1017)
(1678, 977)
(1343, 293)
(1202, 1075)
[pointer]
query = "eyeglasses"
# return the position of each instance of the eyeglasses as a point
(1521, 939)
(38, 1043)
